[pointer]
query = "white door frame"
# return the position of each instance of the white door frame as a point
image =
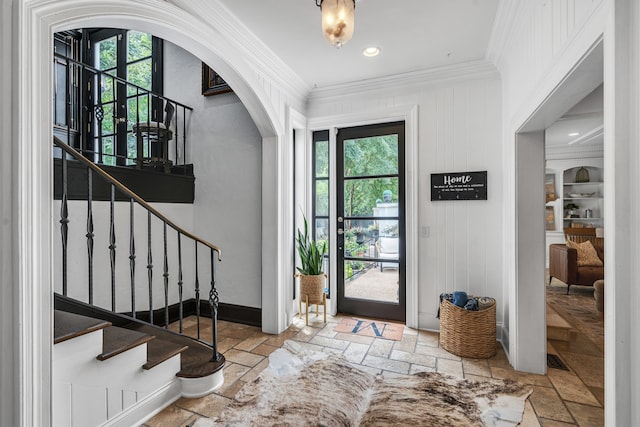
(409, 114)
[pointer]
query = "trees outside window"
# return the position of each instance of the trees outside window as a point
(137, 58)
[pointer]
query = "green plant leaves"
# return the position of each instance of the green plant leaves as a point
(311, 257)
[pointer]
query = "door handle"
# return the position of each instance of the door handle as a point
(340, 231)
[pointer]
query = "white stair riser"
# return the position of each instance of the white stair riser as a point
(198, 387)
(115, 371)
(82, 348)
(90, 392)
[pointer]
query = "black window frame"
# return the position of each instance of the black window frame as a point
(321, 136)
(90, 37)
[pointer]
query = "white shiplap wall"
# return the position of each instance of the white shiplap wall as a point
(458, 130)
(537, 38)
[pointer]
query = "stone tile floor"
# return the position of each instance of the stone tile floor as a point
(560, 398)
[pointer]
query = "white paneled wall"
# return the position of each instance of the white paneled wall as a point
(539, 37)
(458, 130)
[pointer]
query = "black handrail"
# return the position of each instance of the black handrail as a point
(93, 169)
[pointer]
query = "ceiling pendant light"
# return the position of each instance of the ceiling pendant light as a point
(337, 20)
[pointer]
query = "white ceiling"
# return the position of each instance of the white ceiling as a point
(586, 119)
(413, 35)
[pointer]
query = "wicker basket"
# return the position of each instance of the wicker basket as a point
(312, 286)
(468, 333)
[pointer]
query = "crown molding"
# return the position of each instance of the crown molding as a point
(264, 61)
(572, 152)
(506, 18)
(428, 77)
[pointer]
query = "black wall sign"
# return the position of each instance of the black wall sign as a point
(459, 186)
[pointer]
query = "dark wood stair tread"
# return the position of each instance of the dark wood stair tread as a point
(117, 340)
(195, 361)
(159, 351)
(70, 325)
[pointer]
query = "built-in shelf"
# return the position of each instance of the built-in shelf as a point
(586, 195)
(582, 219)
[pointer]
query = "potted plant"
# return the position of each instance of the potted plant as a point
(571, 210)
(310, 272)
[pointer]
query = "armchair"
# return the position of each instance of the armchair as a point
(563, 261)
(388, 248)
(157, 135)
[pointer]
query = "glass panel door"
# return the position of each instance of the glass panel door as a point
(370, 190)
(129, 55)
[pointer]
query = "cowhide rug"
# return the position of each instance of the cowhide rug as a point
(308, 388)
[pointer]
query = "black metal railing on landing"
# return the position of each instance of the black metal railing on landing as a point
(116, 186)
(116, 122)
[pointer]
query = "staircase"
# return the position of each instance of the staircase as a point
(557, 328)
(120, 366)
(121, 375)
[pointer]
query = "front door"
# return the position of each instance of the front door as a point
(371, 221)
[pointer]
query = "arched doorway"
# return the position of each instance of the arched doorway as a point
(40, 19)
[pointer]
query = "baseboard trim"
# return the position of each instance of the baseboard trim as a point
(240, 314)
(229, 312)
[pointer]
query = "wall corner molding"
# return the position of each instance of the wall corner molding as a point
(265, 62)
(422, 78)
(506, 19)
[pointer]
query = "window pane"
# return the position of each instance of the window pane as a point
(139, 74)
(107, 92)
(371, 156)
(372, 281)
(141, 103)
(107, 54)
(107, 122)
(364, 197)
(60, 107)
(131, 148)
(322, 158)
(360, 237)
(138, 45)
(108, 148)
(322, 197)
(322, 230)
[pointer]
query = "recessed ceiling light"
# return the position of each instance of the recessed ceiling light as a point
(371, 51)
(574, 134)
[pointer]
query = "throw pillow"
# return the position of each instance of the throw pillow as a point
(587, 254)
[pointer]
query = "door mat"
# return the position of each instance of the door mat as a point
(368, 328)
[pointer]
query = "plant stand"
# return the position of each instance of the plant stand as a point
(306, 302)
(312, 292)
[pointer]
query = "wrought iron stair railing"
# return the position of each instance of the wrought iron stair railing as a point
(93, 171)
(88, 117)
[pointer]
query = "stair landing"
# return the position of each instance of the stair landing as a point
(557, 328)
